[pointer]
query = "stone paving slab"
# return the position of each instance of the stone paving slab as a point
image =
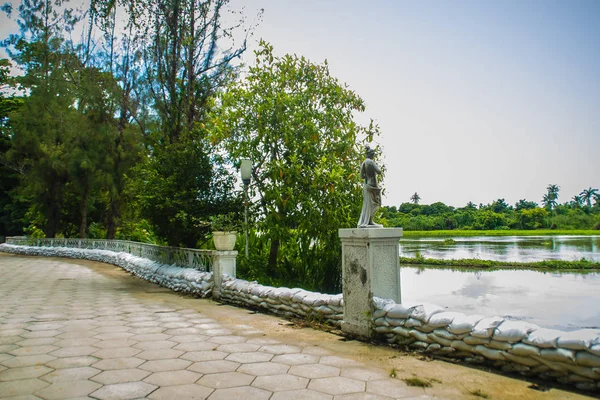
(75, 329)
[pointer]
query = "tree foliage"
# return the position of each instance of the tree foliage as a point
(295, 122)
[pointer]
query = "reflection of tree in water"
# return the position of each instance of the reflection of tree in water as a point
(477, 275)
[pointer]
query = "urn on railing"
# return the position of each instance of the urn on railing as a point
(224, 230)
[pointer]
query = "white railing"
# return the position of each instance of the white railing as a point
(201, 260)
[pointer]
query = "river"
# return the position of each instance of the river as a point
(560, 300)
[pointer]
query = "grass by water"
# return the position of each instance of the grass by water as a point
(474, 263)
(510, 232)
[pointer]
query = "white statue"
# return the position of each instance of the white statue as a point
(371, 191)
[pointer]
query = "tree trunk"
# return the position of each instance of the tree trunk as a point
(111, 221)
(273, 254)
(83, 209)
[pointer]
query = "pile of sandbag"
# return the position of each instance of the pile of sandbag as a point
(174, 277)
(569, 357)
(284, 301)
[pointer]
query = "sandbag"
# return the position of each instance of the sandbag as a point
(594, 349)
(474, 341)
(528, 361)
(445, 334)
(513, 331)
(443, 319)
(498, 345)
(440, 340)
(524, 350)
(543, 338)
(464, 324)
(578, 340)
(419, 345)
(420, 336)
(398, 311)
(413, 323)
(424, 311)
(485, 328)
(561, 355)
(462, 346)
(399, 330)
(434, 348)
(488, 353)
(587, 360)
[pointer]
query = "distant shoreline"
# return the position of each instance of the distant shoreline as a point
(510, 232)
(470, 263)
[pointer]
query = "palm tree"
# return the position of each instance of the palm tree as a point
(587, 195)
(415, 198)
(577, 201)
(549, 199)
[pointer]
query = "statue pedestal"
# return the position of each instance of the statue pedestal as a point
(369, 268)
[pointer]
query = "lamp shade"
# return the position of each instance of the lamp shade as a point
(246, 169)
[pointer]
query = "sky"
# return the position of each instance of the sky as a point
(475, 100)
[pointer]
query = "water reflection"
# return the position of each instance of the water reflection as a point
(565, 301)
(505, 248)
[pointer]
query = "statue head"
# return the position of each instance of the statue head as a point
(369, 151)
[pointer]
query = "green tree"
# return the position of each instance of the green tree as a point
(587, 195)
(296, 123)
(12, 211)
(415, 198)
(550, 198)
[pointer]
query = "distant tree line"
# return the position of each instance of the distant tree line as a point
(581, 212)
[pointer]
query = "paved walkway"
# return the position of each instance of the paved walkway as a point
(76, 329)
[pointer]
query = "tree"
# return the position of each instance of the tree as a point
(296, 123)
(587, 195)
(577, 201)
(525, 205)
(415, 198)
(42, 128)
(500, 206)
(550, 199)
(12, 210)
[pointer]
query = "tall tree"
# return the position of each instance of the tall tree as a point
(587, 195)
(44, 126)
(550, 198)
(296, 123)
(415, 198)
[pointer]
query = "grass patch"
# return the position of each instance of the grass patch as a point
(417, 382)
(393, 373)
(509, 232)
(475, 263)
(479, 393)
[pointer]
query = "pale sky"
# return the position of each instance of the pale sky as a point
(476, 100)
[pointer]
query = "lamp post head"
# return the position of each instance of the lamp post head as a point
(246, 169)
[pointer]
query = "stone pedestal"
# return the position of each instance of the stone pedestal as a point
(223, 263)
(369, 268)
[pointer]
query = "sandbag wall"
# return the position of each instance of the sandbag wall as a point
(294, 303)
(186, 280)
(515, 346)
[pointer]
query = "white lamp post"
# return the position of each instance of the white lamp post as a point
(246, 169)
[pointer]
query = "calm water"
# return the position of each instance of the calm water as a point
(505, 248)
(565, 301)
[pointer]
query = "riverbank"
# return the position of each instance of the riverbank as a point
(511, 232)
(473, 263)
